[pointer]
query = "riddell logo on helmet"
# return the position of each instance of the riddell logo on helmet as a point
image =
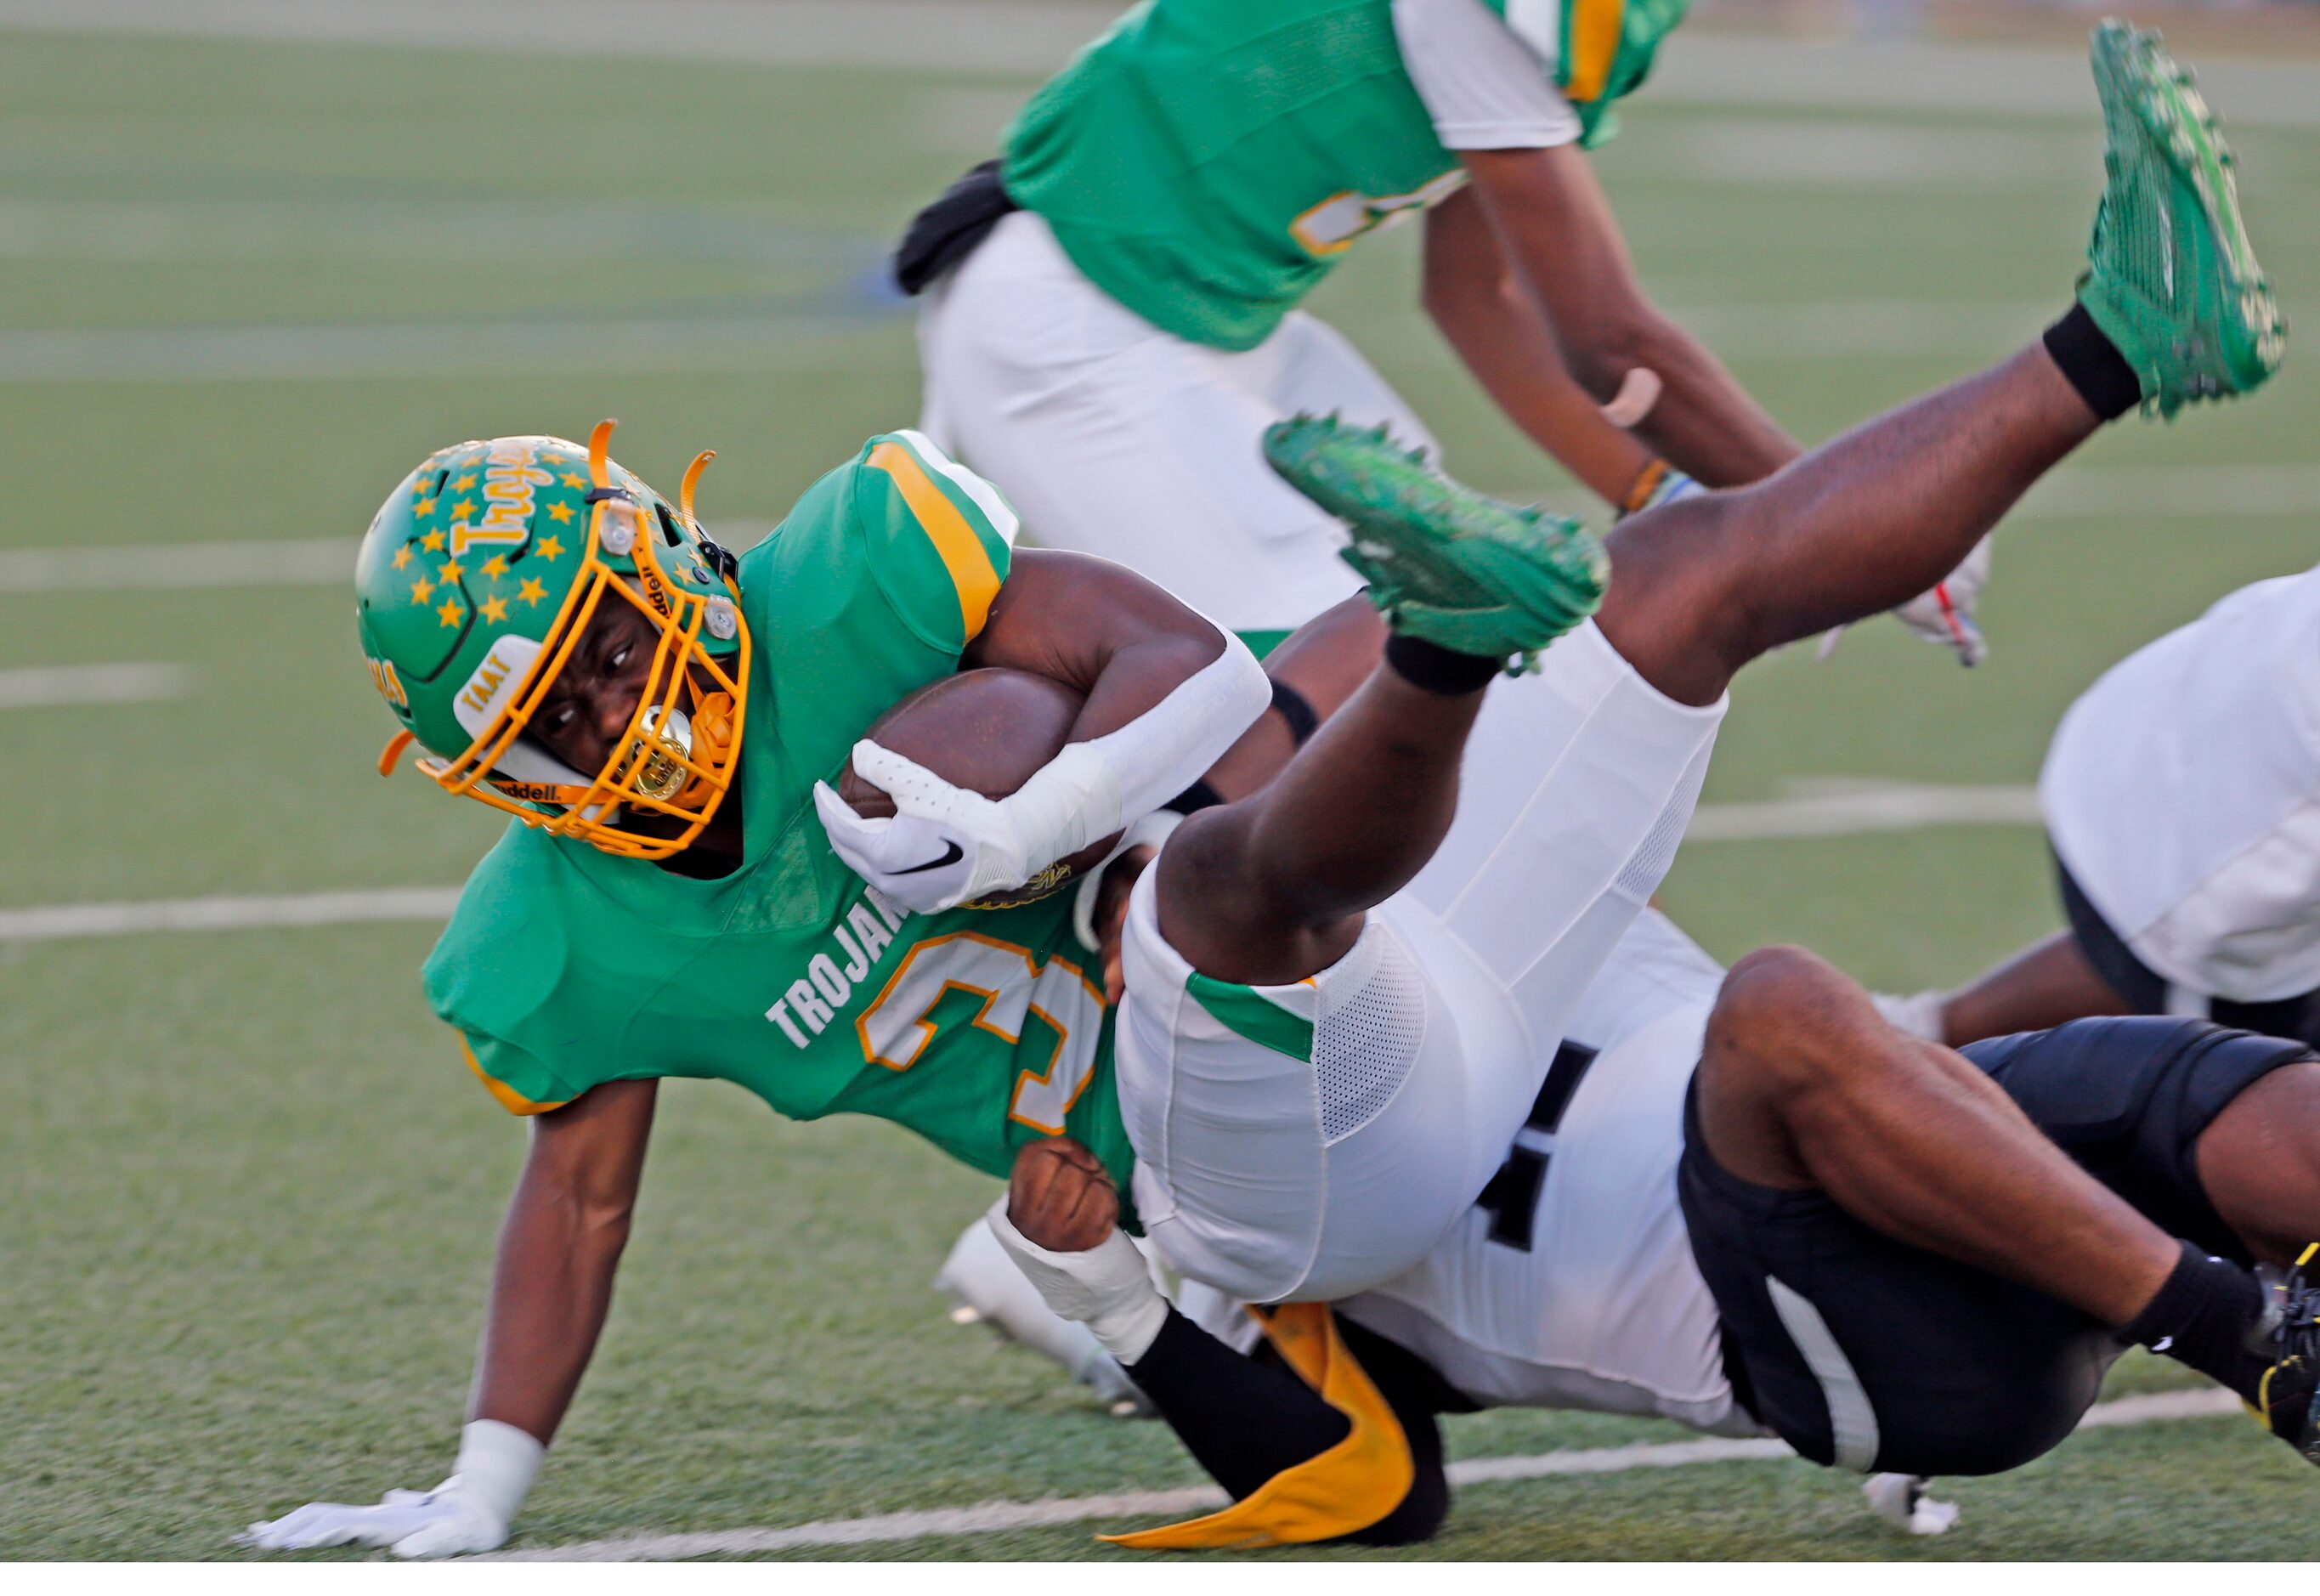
(509, 481)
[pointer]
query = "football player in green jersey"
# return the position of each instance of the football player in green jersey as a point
(1111, 315)
(1339, 995)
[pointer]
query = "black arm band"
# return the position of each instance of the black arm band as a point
(1292, 707)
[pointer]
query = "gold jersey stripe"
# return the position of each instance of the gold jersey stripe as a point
(510, 1099)
(962, 554)
(1594, 35)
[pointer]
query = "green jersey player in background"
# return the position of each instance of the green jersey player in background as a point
(1111, 315)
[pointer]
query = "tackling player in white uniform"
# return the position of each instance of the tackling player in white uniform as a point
(2182, 797)
(1634, 1256)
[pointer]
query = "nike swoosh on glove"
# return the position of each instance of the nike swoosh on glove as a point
(444, 1522)
(942, 846)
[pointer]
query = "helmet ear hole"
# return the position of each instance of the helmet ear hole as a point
(669, 533)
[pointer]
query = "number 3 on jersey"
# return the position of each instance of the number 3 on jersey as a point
(1013, 986)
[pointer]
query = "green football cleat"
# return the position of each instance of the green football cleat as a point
(2172, 279)
(1444, 563)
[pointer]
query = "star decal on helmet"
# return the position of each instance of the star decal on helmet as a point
(560, 513)
(423, 507)
(452, 571)
(432, 542)
(447, 613)
(463, 484)
(532, 591)
(403, 557)
(494, 608)
(464, 508)
(548, 548)
(575, 481)
(496, 568)
(422, 591)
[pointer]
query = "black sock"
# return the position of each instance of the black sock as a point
(1242, 1420)
(2206, 1316)
(1296, 713)
(2093, 364)
(1432, 668)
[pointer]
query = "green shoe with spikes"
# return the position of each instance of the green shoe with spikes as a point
(1444, 563)
(2172, 281)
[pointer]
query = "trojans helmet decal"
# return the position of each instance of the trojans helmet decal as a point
(475, 582)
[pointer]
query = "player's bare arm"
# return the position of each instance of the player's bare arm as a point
(1555, 228)
(1167, 694)
(1496, 326)
(1122, 643)
(559, 1248)
(552, 1287)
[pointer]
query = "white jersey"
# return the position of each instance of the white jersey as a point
(2182, 793)
(1605, 1309)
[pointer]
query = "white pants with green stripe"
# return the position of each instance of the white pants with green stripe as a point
(1309, 1141)
(1114, 438)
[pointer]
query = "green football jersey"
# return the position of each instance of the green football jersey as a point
(565, 968)
(1206, 162)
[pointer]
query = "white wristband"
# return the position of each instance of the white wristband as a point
(497, 1464)
(1107, 1288)
(1091, 789)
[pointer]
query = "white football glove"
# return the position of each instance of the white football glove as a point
(468, 1512)
(444, 1522)
(1945, 613)
(943, 844)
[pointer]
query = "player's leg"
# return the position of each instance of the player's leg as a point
(1313, 1440)
(2045, 984)
(1271, 890)
(1803, 1088)
(2258, 1164)
(2172, 310)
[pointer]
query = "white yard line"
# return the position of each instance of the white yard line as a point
(992, 1517)
(61, 921)
(41, 687)
(284, 562)
(335, 350)
(985, 36)
(1847, 809)
(1824, 809)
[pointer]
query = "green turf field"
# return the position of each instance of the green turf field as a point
(250, 1190)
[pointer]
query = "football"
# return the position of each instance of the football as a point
(987, 730)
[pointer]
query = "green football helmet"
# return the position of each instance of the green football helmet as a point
(476, 581)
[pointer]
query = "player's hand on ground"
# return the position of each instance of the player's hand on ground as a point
(444, 1522)
(942, 845)
(1060, 1198)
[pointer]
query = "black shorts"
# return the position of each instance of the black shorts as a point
(2146, 991)
(1862, 1351)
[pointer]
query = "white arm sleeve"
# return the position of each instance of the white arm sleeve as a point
(1091, 789)
(1487, 86)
